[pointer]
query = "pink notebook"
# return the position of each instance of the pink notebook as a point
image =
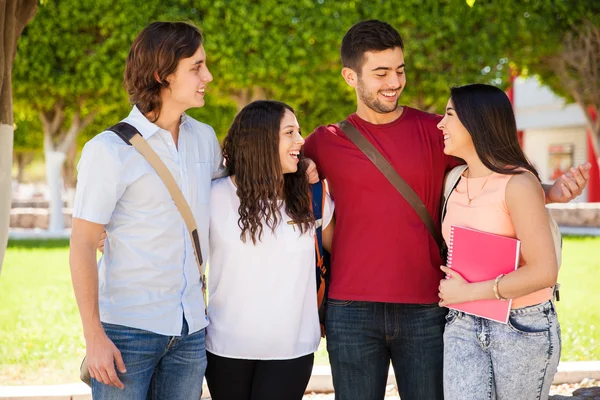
(480, 256)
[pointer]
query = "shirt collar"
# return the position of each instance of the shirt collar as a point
(143, 124)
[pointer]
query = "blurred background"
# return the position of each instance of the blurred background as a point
(67, 87)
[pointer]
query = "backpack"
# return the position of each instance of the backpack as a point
(322, 271)
(450, 183)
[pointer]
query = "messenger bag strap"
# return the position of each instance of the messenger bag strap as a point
(131, 136)
(393, 177)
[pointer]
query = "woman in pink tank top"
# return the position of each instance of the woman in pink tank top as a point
(500, 192)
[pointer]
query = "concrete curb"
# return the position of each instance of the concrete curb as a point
(320, 382)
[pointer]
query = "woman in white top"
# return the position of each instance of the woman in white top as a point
(264, 326)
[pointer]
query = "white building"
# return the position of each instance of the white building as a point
(554, 133)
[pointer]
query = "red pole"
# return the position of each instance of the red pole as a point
(594, 183)
(510, 92)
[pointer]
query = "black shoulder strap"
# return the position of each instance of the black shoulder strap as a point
(393, 177)
(125, 131)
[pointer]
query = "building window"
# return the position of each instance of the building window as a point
(560, 159)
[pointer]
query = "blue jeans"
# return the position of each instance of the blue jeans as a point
(158, 367)
(486, 359)
(362, 338)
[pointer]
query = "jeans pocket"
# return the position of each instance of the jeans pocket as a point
(338, 303)
(530, 324)
(451, 317)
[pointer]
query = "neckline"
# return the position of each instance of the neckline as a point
(405, 110)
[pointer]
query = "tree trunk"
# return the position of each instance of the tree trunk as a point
(54, 163)
(6, 145)
(23, 159)
(14, 16)
(57, 143)
(246, 96)
(69, 167)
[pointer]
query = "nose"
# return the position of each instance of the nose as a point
(207, 76)
(299, 139)
(395, 80)
(440, 124)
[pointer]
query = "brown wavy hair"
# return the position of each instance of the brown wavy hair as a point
(154, 55)
(251, 152)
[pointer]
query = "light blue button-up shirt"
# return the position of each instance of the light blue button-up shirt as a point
(148, 277)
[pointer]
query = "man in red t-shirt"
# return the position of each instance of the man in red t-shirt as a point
(383, 302)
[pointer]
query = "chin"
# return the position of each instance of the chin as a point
(449, 151)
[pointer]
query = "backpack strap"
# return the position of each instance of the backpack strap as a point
(318, 205)
(450, 183)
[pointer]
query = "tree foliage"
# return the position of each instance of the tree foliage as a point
(75, 53)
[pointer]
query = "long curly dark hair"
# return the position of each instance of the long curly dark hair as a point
(251, 152)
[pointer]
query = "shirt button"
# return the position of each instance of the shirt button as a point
(170, 143)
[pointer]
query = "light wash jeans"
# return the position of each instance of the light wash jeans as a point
(158, 366)
(488, 360)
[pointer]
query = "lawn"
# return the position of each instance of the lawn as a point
(40, 332)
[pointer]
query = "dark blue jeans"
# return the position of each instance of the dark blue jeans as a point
(158, 367)
(362, 338)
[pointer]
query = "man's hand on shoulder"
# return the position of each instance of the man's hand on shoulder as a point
(570, 185)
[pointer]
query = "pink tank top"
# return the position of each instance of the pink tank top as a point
(487, 212)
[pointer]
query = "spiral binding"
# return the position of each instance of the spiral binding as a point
(449, 257)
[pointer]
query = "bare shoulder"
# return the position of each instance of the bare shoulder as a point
(524, 187)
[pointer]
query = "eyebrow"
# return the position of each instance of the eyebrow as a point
(387, 68)
(197, 62)
(449, 108)
(289, 126)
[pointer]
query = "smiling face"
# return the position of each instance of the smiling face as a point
(188, 83)
(290, 142)
(457, 140)
(381, 81)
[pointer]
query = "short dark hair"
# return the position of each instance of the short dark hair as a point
(371, 35)
(487, 114)
(157, 50)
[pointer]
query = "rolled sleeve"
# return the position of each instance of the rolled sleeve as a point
(219, 170)
(328, 209)
(99, 185)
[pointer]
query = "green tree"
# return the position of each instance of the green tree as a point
(69, 70)
(14, 16)
(290, 50)
(572, 70)
(28, 142)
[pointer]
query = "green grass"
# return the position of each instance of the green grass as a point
(578, 308)
(40, 332)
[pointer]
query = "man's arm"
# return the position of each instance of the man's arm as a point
(569, 185)
(101, 353)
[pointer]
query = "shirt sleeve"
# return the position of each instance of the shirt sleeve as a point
(329, 207)
(219, 170)
(99, 183)
(310, 150)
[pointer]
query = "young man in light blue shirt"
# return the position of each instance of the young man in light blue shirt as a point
(142, 304)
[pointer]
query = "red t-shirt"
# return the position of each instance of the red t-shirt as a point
(382, 251)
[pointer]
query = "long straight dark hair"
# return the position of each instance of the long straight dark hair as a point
(487, 114)
(251, 152)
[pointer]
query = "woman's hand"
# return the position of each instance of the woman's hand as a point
(101, 243)
(454, 289)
